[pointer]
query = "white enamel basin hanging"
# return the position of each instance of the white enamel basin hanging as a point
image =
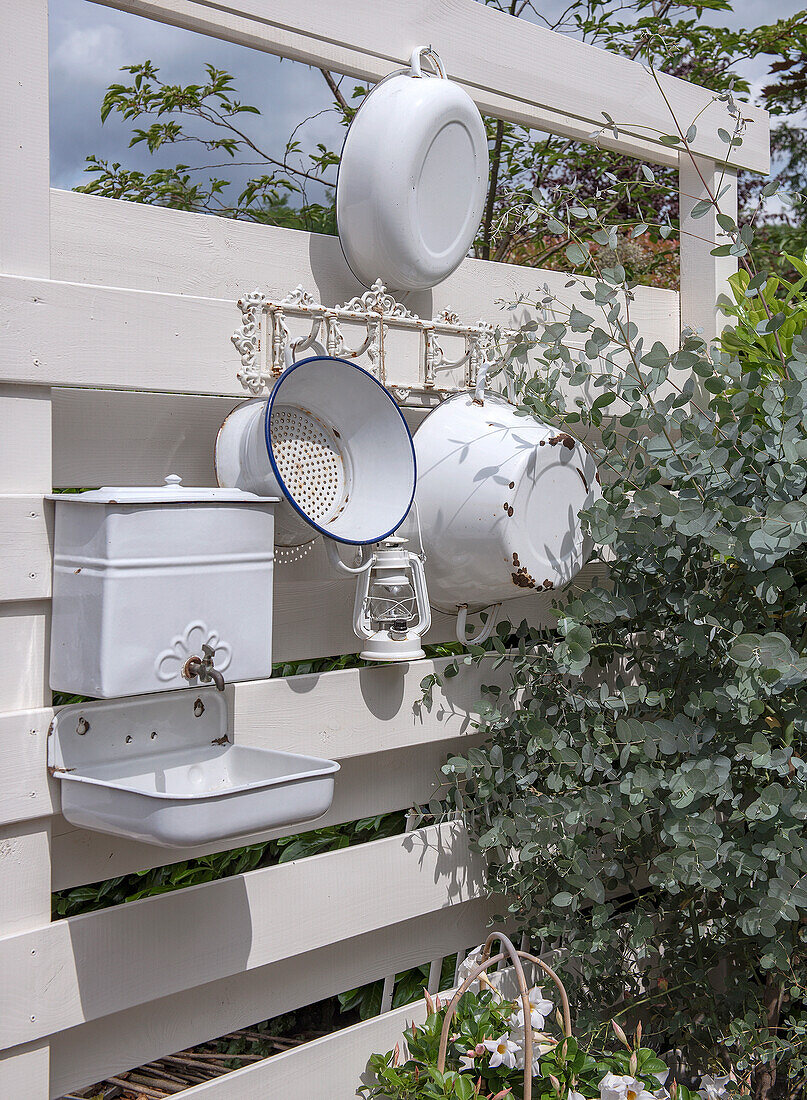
(499, 497)
(163, 769)
(412, 179)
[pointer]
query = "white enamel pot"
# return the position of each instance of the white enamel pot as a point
(332, 444)
(498, 497)
(412, 179)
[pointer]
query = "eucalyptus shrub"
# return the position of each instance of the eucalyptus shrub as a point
(641, 794)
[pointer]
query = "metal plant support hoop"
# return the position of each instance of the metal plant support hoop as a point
(515, 958)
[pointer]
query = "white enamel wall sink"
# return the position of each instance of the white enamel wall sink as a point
(162, 769)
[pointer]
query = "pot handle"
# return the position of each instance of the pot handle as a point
(430, 55)
(301, 344)
(332, 550)
(484, 631)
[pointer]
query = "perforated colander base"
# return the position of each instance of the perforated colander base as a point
(309, 460)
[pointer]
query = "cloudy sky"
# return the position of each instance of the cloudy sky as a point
(89, 44)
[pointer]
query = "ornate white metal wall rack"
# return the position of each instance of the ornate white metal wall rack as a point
(263, 341)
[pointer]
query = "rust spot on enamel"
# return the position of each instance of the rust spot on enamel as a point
(522, 578)
(564, 439)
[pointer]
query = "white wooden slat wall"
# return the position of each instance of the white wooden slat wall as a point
(25, 467)
(162, 945)
(371, 720)
(89, 1052)
(116, 367)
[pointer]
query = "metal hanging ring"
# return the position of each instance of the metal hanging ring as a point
(430, 55)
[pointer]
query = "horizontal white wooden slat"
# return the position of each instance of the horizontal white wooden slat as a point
(366, 786)
(122, 438)
(110, 243)
(24, 627)
(108, 437)
(344, 714)
(333, 1066)
(26, 571)
(146, 248)
(513, 69)
(86, 967)
(92, 1051)
(76, 335)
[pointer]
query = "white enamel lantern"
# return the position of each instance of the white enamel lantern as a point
(391, 611)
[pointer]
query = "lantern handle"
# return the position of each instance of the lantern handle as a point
(332, 550)
(422, 594)
(360, 601)
(484, 631)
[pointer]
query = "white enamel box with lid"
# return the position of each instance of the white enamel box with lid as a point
(144, 578)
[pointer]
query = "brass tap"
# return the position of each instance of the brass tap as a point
(203, 668)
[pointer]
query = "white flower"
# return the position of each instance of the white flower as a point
(540, 1008)
(470, 964)
(575, 1096)
(502, 1052)
(714, 1088)
(541, 1045)
(467, 1061)
(619, 1087)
